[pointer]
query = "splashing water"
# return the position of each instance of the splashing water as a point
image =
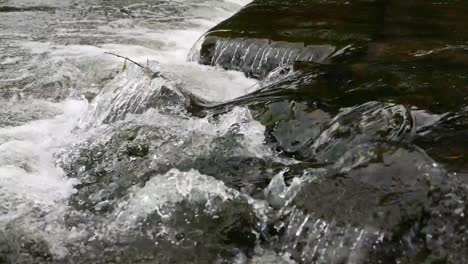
(67, 60)
(105, 161)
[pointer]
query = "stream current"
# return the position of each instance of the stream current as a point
(63, 98)
(163, 160)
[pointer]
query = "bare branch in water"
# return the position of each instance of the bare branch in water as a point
(130, 60)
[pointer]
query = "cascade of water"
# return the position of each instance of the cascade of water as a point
(256, 57)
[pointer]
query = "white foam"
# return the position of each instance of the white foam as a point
(166, 44)
(213, 84)
(206, 130)
(163, 192)
(27, 166)
(27, 163)
(34, 190)
(168, 47)
(30, 181)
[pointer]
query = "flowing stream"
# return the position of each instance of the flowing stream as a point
(158, 159)
(52, 65)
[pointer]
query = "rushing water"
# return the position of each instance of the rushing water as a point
(52, 62)
(163, 160)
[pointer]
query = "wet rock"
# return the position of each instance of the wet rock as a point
(267, 34)
(366, 208)
(447, 140)
(411, 31)
(257, 58)
(291, 124)
(393, 182)
(247, 174)
(425, 86)
(133, 92)
(178, 217)
(126, 154)
(369, 122)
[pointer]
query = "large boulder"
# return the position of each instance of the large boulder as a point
(266, 34)
(269, 33)
(379, 203)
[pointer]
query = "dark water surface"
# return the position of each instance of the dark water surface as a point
(346, 144)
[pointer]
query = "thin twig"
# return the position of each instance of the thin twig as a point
(130, 60)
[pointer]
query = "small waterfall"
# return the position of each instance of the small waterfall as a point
(372, 121)
(311, 239)
(256, 57)
(314, 240)
(194, 53)
(133, 92)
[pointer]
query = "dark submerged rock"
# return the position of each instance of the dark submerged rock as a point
(447, 140)
(370, 122)
(315, 93)
(203, 226)
(379, 203)
(416, 84)
(379, 90)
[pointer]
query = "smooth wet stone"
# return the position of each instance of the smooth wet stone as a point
(366, 208)
(266, 34)
(392, 182)
(134, 91)
(247, 174)
(292, 124)
(369, 122)
(428, 87)
(447, 140)
(431, 31)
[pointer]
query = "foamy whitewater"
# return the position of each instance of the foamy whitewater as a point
(54, 64)
(156, 159)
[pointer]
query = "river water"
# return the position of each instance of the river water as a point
(52, 64)
(156, 159)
